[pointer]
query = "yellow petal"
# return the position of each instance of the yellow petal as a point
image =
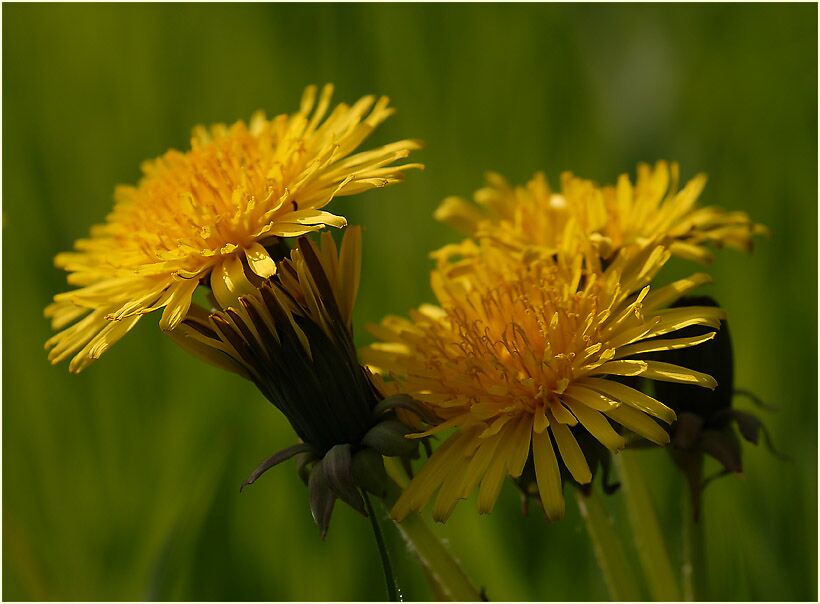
(597, 425)
(429, 479)
(459, 214)
(183, 336)
(260, 261)
(590, 398)
(496, 426)
(660, 345)
(632, 397)
(106, 338)
(319, 217)
(639, 423)
(520, 448)
(628, 367)
(571, 453)
(350, 261)
(492, 481)
(691, 251)
(672, 319)
(669, 293)
(478, 465)
(540, 421)
(561, 415)
(229, 282)
(668, 372)
(290, 229)
(450, 492)
(548, 476)
(178, 304)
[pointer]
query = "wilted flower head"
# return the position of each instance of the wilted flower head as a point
(522, 350)
(205, 215)
(292, 336)
(535, 216)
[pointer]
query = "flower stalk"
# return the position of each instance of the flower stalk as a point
(450, 580)
(652, 550)
(693, 571)
(609, 552)
(393, 593)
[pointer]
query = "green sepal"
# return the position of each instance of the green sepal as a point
(388, 438)
(321, 498)
(751, 428)
(403, 401)
(724, 447)
(748, 425)
(369, 473)
(303, 461)
(274, 460)
(755, 399)
(338, 471)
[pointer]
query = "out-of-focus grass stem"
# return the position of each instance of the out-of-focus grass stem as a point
(609, 552)
(693, 571)
(442, 568)
(652, 550)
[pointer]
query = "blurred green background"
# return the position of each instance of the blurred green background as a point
(122, 483)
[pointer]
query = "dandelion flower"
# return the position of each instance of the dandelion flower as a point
(611, 216)
(206, 216)
(519, 352)
(292, 336)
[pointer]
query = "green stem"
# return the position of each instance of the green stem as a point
(393, 594)
(618, 574)
(693, 571)
(449, 578)
(662, 581)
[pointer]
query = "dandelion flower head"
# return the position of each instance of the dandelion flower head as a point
(206, 215)
(518, 354)
(535, 216)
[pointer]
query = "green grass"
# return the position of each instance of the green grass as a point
(123, 482)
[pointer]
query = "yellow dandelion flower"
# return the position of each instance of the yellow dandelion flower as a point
(612, 216)
(206, 215)
(520, 352)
